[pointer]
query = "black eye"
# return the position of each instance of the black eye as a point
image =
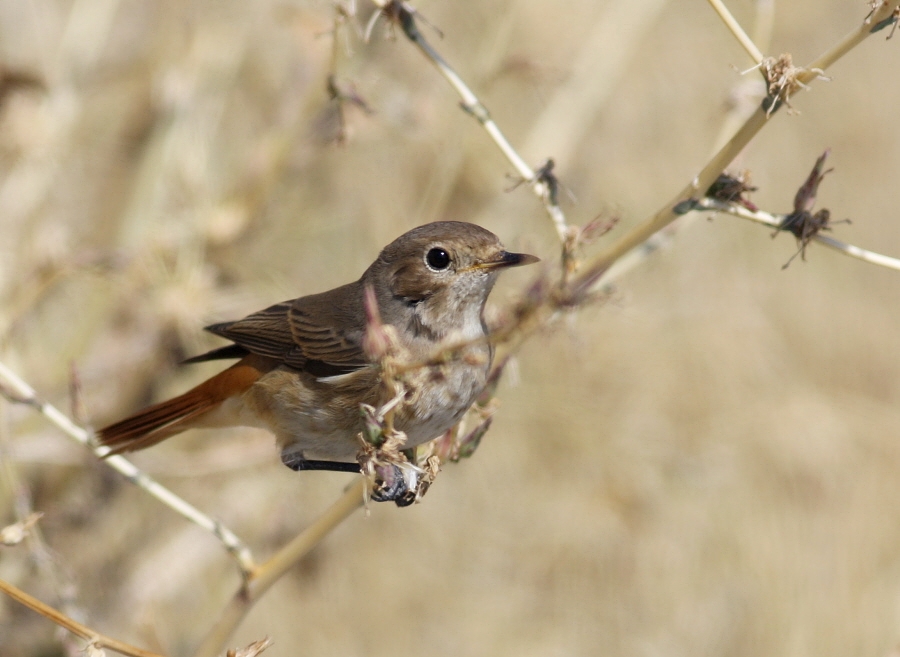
(437, 258)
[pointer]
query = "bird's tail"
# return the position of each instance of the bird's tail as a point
(160, 421)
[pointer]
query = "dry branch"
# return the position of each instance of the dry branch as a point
(736, 29)
(73, 626)
(255, 586)
(404, 15)
(14, 388)
(776, 220)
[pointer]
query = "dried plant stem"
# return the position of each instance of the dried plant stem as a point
(726, 154)
(16, 390)
(405, 17)
(253, 588)
(775, 221)
(71, 625)
(736, 29)
(763, 23)
(667, 214)
(881, 13)
(742, 108)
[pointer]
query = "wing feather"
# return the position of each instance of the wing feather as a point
(321, 333)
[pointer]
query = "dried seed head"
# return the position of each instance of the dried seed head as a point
(783, 80)
(731, 189)
(251, 650)
(16, 533)
(380, 340)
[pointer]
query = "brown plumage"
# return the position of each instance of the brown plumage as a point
(303, 372)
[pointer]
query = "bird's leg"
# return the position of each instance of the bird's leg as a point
(296, 462)
(390, 484)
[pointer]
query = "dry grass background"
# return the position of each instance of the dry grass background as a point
(705, 465)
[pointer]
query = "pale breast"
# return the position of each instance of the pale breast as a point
(320, 418)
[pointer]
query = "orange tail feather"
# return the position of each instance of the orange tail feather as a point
(160, 421)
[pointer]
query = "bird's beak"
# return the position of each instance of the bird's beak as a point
(506, 259)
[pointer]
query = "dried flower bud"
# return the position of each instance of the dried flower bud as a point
(93, 650)
(251, 650)
(467, 445)
(731, 189)
(372, 432)
(806, 195)
(379, 340)
(16, 533)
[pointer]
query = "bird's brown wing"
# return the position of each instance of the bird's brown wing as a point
(328, 328)
(266, 333)
(320, 334)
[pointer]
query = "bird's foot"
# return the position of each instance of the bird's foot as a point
(401, 482)
(395, 482)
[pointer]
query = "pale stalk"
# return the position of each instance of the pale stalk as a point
(73, 626)
(20, 392)
(742, 37)
(268, 573)
(473, 106)
(774, 221)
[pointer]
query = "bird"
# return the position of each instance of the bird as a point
(302, 369)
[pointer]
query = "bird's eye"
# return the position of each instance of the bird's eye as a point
(437, 258)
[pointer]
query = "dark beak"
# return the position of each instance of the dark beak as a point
(508, 259)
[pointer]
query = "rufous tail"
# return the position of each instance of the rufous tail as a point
(160, 421)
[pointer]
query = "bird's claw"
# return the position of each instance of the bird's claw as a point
(393, 483)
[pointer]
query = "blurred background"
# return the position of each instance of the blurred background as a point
(705, 464)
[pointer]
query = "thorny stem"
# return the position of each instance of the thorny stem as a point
(16, 390)
(268, 573)
(72, 625)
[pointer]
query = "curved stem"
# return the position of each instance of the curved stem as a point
(72, 625)
(268, 573)
(18, 391)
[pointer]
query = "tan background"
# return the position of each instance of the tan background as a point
(707, 464)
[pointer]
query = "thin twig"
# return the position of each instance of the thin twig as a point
(268, 573)
(736, 29)
(775, 221)
(43, 558)
(72, 625)
(404, 15)
(16, 390)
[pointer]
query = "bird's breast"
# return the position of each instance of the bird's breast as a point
(321, 417)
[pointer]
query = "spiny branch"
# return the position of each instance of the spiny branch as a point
(776, 221)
